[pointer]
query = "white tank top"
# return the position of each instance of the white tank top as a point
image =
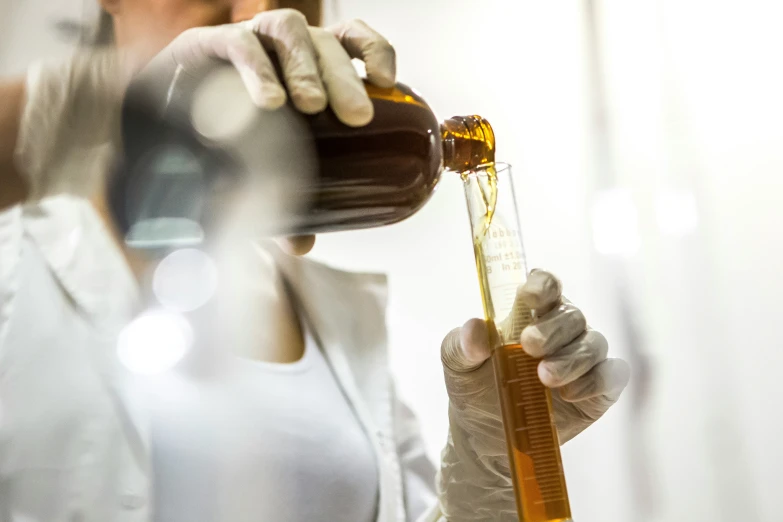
(258, 442)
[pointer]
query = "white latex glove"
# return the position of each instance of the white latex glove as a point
(71, 114)
(474, 481)
(316, 63)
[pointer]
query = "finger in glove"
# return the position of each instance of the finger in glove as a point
(606, 379)
(573, 360)
(466, 349)
(363, 42)
(286, 31)
(346, 91)
(553, 331)
(541, 292)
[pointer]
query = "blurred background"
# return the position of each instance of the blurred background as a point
(647, 143)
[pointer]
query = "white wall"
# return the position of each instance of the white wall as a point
(694, 104)
(697, 106)
(27, 30)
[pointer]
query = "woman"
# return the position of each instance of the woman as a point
(83, 439)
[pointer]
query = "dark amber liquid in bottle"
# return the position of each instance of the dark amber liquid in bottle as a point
(377, 174)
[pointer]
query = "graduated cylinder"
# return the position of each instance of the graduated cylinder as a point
(533, 446)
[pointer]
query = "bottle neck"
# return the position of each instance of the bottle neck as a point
(468, 143)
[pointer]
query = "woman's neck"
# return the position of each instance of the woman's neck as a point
(254, 308)
(251, 313)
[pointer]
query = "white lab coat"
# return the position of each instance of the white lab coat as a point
(74, 446)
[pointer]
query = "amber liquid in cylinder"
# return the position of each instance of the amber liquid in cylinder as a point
(526, 404)
(531, 436)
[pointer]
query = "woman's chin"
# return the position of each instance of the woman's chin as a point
(296, 245)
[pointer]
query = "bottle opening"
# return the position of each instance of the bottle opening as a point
(468, 143)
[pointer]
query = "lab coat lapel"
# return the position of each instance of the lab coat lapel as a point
(90, 269)
(346, 312)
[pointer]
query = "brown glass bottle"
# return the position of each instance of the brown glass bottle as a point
(386, 171)
(362, 177)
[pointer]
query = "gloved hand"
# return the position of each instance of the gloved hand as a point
(316, 63)
(474, 479)
(71, 114)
